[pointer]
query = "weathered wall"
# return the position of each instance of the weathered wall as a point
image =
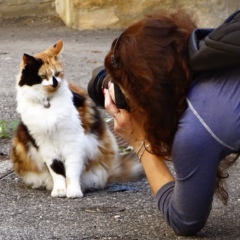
(90, 14)
(19, 8)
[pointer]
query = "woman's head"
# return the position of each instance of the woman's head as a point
(149, 61)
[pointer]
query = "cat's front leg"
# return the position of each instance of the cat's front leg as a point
(73, 188)
(73, 173)
(57, 171)
(59, 187)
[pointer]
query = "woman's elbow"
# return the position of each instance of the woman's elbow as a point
(188, 228)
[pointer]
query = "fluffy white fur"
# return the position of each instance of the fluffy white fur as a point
(52, 128)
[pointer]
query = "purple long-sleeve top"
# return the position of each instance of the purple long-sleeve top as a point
(208, 131)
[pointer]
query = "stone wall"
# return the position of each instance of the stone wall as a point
(20, 8)
(97, 14)
(92, 14)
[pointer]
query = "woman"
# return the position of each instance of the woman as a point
(194, 121)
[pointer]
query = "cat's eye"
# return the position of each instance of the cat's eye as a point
(43, 77)
(57, 73)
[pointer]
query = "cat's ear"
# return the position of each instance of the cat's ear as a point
(58, 46)
(28, 60)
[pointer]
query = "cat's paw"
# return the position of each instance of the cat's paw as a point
(74, 192)
(58, 192)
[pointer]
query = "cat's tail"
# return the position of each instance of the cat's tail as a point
(127, 167)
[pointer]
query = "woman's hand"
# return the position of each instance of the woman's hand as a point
(126, 124)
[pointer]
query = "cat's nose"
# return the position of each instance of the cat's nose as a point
(55, 82)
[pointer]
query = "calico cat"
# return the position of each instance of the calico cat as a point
(62, 142)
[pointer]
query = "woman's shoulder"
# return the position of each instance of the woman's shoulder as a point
(215, 81)
(214, 110)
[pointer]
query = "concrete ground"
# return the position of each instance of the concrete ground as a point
(121, 211)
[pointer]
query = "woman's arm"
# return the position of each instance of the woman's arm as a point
(156, 171)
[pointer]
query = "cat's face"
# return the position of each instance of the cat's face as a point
(43, 72)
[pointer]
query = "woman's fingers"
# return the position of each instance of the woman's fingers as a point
(109, 104)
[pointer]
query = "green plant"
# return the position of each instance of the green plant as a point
(7, 128)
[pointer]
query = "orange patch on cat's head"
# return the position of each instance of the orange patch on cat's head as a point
(51, 52)
(55, 49)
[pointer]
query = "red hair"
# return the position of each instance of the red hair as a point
(151, 66)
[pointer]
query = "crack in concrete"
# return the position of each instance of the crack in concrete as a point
(6, 175)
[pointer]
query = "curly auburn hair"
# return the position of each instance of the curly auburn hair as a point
(150, 62)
